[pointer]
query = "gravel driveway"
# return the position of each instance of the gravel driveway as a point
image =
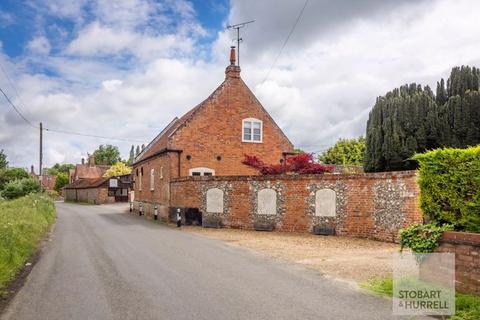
(349, 259)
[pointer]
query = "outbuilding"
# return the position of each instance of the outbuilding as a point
(97, 190)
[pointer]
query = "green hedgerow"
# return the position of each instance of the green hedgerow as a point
(19, 188)
(450, 187)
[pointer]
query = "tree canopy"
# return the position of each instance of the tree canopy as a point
(413, 119)
(345, 151)
(61, 180)
(107, 154)
(131, 156)
(118, 169)
(3, 160)
(60, 168)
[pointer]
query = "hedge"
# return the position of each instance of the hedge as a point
(450, 187)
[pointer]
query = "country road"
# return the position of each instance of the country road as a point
(102, 263)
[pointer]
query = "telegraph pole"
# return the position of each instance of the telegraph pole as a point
(41, 152)
(238, 26)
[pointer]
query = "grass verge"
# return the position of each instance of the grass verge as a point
(23, 223)
(467, 307)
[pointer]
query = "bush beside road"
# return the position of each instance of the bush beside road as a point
(23, 223)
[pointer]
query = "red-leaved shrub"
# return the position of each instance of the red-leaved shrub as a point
(301, 163)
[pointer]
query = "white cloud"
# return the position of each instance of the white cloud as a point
(6, 19)
(120, 76)
(323, 88)
(39, 45)
(111, 85)
(96, 39)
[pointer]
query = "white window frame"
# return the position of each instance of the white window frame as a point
(252, 121)
(152, 179)
(140, 181)
(201, 170)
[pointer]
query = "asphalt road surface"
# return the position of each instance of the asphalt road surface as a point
(102, 263)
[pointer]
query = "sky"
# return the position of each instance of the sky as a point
(124, 69)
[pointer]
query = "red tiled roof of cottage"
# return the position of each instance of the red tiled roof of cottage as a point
(48, 182)
(86, 183)
(85, 171)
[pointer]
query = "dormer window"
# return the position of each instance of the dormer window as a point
(252, 130)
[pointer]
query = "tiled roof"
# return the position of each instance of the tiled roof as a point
(161, 141)
(86, 183)
(84, 171)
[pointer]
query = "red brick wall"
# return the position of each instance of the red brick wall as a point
(374, 205)
(161, 192)
(216, 130)
(466, 247)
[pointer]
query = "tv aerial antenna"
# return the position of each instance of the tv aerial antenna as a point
(239, 39)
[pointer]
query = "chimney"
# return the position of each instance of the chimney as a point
(232, 56)
(83, 160)
(32, 170)
(232, 71)
(91, 160)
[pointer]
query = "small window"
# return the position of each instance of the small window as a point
(252, 130)
(140, 180)
(161, 172)
(152, 179)
(201, 171)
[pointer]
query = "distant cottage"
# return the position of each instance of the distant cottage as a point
(88, 184)
(211, 139)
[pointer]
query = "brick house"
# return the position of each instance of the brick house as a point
(209, 140)
(89, 170)
(87, 184)
(47, 181)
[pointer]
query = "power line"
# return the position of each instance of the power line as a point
(17, 111)
(63, 131)
(12, 85)
(92, 135)
(286, 40)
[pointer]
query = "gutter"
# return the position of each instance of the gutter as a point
(156, 155)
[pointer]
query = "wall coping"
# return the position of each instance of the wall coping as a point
(350, 176)
(456, 237)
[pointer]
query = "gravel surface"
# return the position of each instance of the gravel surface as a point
(343, 258)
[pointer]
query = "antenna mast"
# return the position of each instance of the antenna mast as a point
(238, 26)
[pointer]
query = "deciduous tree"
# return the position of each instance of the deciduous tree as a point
(118, 169)
(107, 154)
(3, 160)
(345, 151)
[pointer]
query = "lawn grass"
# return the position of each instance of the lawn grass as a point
(23, 223)
(467, 307)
